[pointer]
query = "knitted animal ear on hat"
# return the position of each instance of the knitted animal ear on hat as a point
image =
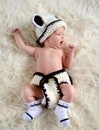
(45, 25)
(38, 21)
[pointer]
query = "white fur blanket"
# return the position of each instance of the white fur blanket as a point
(16, 68)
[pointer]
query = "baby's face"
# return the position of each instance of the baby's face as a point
(57, 39)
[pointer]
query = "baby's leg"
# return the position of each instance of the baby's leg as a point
(63, 106)
(68, 92)
(32, 95)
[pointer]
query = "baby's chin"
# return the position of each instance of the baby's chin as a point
(59, 46)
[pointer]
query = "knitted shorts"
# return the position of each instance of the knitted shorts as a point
(49, 84)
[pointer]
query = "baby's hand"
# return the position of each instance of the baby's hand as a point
(15, 32)
(17, 37)
(71, 48)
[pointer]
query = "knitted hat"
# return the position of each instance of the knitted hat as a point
(45, 25)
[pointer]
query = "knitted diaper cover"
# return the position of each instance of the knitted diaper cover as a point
(49, 84)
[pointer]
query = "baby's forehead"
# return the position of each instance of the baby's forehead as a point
(60, 29)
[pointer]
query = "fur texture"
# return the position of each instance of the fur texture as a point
(16, 68)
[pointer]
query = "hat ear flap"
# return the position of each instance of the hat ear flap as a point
(38, 21)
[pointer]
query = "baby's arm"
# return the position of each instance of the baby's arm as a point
(69, 57)
(20, 43)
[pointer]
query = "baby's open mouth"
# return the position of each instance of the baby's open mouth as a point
(61, 42)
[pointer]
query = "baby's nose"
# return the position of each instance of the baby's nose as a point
(62, 37)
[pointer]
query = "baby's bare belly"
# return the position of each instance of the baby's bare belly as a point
(49, 60)
(48, 68)
(48, 71)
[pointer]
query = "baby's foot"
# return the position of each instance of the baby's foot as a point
(62, 111)
(34, 109)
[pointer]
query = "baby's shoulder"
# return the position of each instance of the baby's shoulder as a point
(38, 50)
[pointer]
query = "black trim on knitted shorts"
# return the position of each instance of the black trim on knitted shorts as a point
(52, 74)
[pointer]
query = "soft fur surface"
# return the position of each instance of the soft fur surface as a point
(16, 68)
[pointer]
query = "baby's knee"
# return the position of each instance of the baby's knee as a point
(26, 92)
(72, 89)
(68, 92)
(68, 89)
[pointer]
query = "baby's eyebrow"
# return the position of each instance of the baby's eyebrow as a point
(58, 32)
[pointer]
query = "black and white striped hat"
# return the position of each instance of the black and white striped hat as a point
(45, 25)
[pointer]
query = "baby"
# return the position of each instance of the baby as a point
(51, 85)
